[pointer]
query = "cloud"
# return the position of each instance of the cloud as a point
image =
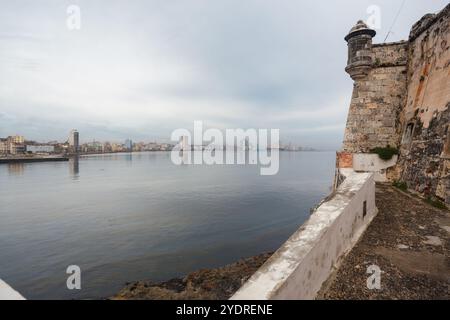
(141, 69)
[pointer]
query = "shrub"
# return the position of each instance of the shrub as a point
(377, 62)
(385, 153)
(400, 185)
(436, 203)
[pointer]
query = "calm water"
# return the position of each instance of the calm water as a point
(129, 217)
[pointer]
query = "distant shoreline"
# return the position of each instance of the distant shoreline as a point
(131, 152)
(69, 156)
(32, 159)
(118, 152)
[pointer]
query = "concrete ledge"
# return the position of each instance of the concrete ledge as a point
(8, 293)
(300, 267)
(370, 162)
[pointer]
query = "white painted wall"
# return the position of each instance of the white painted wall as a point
(8, 293)
(300, 267)
(39, 149)
(370, 162)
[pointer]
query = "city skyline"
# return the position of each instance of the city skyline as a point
(127, 142)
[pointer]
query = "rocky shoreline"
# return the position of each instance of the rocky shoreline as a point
(208, 284)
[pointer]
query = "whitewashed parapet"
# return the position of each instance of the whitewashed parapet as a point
(299, 268)
(8, 293)
(370, 162)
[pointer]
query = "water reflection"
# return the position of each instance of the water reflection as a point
(16, 169)
(151, 220)
(221, 157)
(74, 167)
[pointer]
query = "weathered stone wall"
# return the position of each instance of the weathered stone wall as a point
(404, 102)
(425, 160)
(424, 164)
(377, 101)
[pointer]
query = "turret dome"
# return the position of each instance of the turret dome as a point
(360, 28)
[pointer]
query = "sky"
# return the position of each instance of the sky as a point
(141, 69)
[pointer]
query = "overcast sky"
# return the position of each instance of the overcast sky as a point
(140, 69)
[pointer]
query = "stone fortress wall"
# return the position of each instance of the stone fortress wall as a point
(401, 99)
(425, 147)
(377, 101)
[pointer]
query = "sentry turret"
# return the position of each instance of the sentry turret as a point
(359, 42)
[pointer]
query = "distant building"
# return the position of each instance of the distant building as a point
(12, 145)
(15, 148)
(40, 149)
(74, 141)
(107, 147)
(128, 145)
(185, 146)
(116, 147)
(140, 146)
(246, 145)
(166, 147)
(16, 139)
(152, 146)
(92, 147)
(4, 149)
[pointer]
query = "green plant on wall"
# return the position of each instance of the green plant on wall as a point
(385, 153)
(377, 62)
(400, 185)
(436, 203)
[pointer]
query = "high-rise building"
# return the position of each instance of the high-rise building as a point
(184, 142)
(129, 145)
(74, 141)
